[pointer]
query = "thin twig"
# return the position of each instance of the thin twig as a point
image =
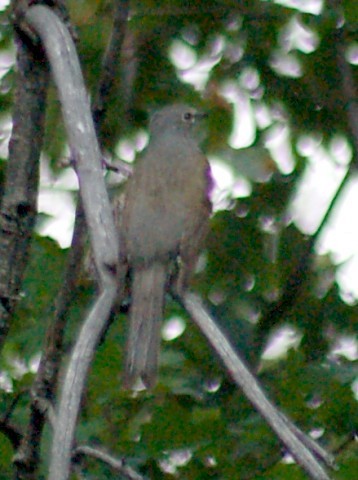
(11, 407)
(120, 167)
(299, 276)
(350, 439)
(117, 465)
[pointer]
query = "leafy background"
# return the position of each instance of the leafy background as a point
(195, 424)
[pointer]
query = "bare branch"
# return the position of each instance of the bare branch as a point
(85, 151)
(237, 369)
(66, 71)
(117, 465)
(74, 383)
(45, 384)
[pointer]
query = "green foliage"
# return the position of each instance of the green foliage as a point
(195, 424)
(43, 279)
(6, 453)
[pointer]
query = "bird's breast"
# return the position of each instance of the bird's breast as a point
(165, 197)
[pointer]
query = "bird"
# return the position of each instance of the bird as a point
(164, 222)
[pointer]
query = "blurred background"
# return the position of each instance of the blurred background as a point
(280, 271)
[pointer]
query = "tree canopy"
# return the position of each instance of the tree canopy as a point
(278, 80)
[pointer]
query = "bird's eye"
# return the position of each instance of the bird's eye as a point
(188, 116)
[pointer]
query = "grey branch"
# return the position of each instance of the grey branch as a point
(74, 382)
(303, 450)
(66, 71)
(67, 75)
(47, 376)
(117, 465)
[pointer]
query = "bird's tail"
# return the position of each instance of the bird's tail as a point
(146, 312)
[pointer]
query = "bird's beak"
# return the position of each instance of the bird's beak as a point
(201, 115)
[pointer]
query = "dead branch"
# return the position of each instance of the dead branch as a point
(118, 466)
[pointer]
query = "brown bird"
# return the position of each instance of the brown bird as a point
(164, 222)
